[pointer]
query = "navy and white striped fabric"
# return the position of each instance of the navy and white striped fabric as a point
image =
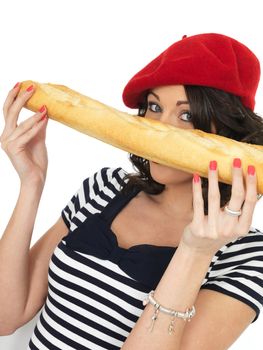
(96, 288)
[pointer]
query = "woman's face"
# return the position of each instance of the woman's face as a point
(169, 104)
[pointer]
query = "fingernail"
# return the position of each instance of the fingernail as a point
(213, 165)
(196, 178)
(30, 88)
(17, 84)
(251, 170)
(42, 108)
(237, 163)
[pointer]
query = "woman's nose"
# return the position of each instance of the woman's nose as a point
(167, 118)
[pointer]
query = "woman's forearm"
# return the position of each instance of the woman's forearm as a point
(177, 290)
(14, 255)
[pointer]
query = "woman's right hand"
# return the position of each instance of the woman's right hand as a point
(24, 144)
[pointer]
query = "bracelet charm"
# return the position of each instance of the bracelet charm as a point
(186, 316)
(154, 317)
(171, 325)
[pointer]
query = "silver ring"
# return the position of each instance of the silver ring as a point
(232, 212)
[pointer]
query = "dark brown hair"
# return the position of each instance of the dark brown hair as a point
(231, 119)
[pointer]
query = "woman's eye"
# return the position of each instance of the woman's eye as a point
(186, 116)
(154, 107)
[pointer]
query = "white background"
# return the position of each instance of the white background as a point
(95, 47)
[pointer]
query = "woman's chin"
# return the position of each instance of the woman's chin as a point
(167, 175)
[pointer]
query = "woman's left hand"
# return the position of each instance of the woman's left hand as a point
(208, 233)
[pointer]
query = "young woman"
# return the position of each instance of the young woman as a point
(134, 256)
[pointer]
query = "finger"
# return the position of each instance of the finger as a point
(198, 201)
(10, 99)
(28, 124)
(213, 194)
(15, 108)
(238, 189)
(31, 133)
(246, 217)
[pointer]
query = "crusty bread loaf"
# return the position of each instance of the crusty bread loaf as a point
(188, 150)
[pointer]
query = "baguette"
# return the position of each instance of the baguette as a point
(189, 150)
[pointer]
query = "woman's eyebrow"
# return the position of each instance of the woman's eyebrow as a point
(154, 94)
(178, 103)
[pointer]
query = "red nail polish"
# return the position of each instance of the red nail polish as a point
(237, 163)
(251, 170)
(196, 178)
(42, 108)
(30, 88)
(17, 84)
(213, 165)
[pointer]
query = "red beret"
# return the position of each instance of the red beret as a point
(210, 59)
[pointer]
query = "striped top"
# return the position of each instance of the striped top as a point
(96, 288)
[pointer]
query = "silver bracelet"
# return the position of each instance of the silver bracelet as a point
(187, 315)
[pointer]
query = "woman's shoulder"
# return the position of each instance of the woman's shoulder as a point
(93, 195)
(109, 179)
(242, 254)
(112, 177)
(248, 246)
(237, 270)
(253, 240)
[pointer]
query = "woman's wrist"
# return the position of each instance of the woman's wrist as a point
(196, 252)
(34, 183)
(186, 271)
